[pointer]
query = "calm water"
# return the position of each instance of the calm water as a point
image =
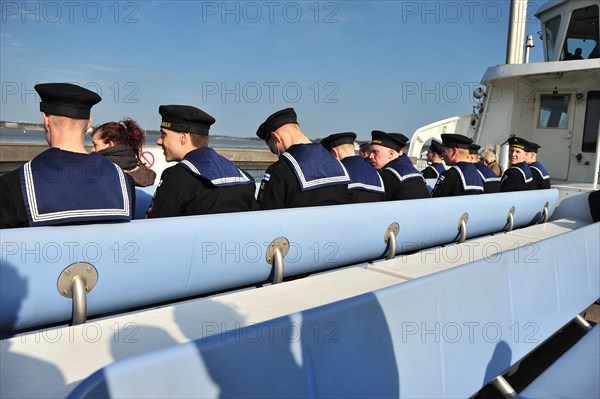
(37, 136)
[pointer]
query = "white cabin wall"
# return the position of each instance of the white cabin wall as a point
(498, 113)
(583, 170)
(523, 118)
(581, 82)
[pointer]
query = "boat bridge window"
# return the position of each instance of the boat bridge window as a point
(554, 111)
(592, 122)
(551, 29)
(583, 34)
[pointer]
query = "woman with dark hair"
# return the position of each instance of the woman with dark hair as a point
(121, 142)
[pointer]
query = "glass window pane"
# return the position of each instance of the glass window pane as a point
(551, 29)
(582, 36)
(554, 111)
(592, 122)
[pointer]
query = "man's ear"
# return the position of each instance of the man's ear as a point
(89, 124)
(335, 152)
(46, 120)
(183, 138)
(277, 136)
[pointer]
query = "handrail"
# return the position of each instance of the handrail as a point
(462, 227)
(278, 249)
(390, 239)
(75, 282)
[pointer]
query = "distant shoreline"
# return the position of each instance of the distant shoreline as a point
(151, 133)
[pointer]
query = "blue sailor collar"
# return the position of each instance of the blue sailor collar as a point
(315, 167)
(362, 175)
(219, 171)
(403, 169)
(541, 169)
(523, 167)
(470, 177)
(437, 168)
(486, 173)
(63, 187)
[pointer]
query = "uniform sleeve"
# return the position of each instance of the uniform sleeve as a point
(131, 183)
(445, 185)
(428, 173)
(510, 181)
(167, 200)
(273, 188)
(390, 183)
(12, 206)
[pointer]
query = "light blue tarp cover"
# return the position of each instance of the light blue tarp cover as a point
(150, 261)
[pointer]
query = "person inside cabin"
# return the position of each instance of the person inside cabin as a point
(65, 184)
(434, 156)
(306, 174)
(462, 178)
(365, 184)
(203, 182)
(400, 178)
(121, 142)
(491, 182)
(541, 177)
(518, 177)
(364, 151)
(488, 158)
(577, 55)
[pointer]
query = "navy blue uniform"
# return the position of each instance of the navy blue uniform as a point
(62, 187)
(366, 184)
(541, 177)
(434, 170)
(491, 182)
(517, 178)
(402, 180)
(203, 183)
(305, 175)
(461, 179)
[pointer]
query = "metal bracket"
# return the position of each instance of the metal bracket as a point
(462, 227)
(76, 281)
(545, 213)
(504, 387)
(277, 250)
(583, 323)
(390, 239)
(510, 220)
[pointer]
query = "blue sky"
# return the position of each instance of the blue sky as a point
(343, 65)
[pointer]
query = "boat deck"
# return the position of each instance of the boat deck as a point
(102, 341)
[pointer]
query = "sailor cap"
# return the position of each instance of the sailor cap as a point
(66, 99)
(518, 142)
(452, 140)
(336, 139)
(395, 141)
(436, 147)
(275, 121)
(185, 119)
